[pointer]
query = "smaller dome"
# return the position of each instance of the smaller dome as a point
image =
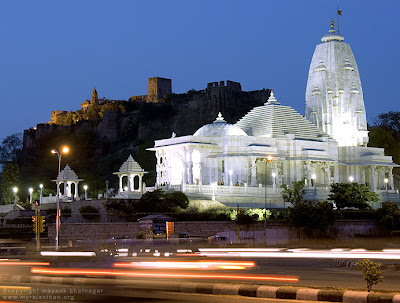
(130, 165)
(219, 128)
(332, 36)
(316, 91)
(321, 67)
(347, 66)
(67, 174)
(354, 90)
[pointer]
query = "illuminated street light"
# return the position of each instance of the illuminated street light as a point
(15, 190)
(30, 195)
(85, 187)
(41, 193)
(351, 179)
(387, 189)
(54, 151)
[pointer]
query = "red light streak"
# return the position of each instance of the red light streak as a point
(146, 274)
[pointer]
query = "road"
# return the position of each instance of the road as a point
(316, 272)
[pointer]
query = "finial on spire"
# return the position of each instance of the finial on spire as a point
(332, 24)
(219, 118)
(271, 99)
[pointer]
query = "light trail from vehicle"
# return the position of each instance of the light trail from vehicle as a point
(161, 275)
(205, 265)
(20, 263)
(68, 253)
(298, 253)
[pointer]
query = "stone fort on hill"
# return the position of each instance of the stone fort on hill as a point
(157, 114)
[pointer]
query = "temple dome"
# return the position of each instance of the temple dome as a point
(332, 36)
(219, 128)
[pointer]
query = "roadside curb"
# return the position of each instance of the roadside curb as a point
(345, 263)
(353, 265)
(246, 290)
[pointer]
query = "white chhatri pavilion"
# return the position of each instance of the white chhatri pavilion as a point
(133, 173)
(68, 179)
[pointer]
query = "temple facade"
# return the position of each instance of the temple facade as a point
(245, 163)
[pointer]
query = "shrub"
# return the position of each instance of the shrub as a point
(372, 272)
(389, 216)
(89, 213)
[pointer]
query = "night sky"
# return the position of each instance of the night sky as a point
(54, 52)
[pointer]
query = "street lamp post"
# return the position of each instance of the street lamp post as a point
(30, 195)
(41, 193)
(85, 187)
(54, 151)
(268, 159)
(15, 190)
(387, 189)
(314, 178)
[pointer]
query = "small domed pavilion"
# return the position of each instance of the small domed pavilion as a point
(68, 181)
(134, 174)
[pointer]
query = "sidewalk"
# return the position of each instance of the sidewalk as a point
(247, 290)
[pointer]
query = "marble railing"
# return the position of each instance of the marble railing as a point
(319, 193)
(231, 190)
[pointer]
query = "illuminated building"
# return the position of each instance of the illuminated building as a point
(327, 146)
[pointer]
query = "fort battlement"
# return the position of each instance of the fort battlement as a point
(230, 85)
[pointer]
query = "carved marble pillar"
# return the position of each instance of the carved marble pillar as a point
(391, 178)
(140, 184)
(200, 173)
(336, 174)
(158, 170)
(76, 190)
(226, 170)
(120, 184)
(373, 178)
(253, 172)
(185, 168)
(306, 174)
(190, 167)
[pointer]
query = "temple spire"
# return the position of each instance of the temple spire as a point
(94, 98)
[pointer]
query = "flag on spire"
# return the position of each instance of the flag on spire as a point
(339, 13)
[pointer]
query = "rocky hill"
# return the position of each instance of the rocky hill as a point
(99, 146)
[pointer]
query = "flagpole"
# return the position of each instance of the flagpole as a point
(337, 16)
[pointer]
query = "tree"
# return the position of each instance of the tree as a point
(313, 218)
(122, 209)
(352, 195)
(385, 133)
(10, 149)
(390, 120)
(10, 179)
(293, 194)
(177, 199)
(158, 201)
(372, 272)
(389, 216)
